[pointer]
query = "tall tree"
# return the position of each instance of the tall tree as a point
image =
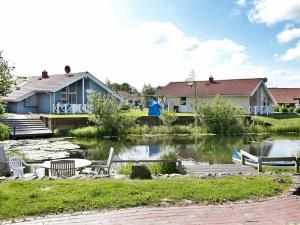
(5, 77)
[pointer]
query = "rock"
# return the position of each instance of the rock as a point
(140, 171)
(120, 176)
(174, 175)
(100, 176)
(4, 169)
(186, 202)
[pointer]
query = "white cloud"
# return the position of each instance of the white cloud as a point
(241, 3)
(273, 11)
(292, 53)
(90, 36)
(288, 35)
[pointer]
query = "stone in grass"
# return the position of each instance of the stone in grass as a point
(140, 171)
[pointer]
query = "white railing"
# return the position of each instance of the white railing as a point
(70, 108)
(260, 110)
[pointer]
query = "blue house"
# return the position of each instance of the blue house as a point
(60, 93)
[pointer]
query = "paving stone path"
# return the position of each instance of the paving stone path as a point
(283, 210)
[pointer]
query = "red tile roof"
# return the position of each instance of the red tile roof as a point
(285, 95)
(236, 87)
(132, 97)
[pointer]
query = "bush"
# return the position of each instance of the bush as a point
(107, 113)
(4, 132)
(297, 110)
(276, 108)
(291, 109)
(168, 117)
(283, 109)
(169, 153)
(125, 107)
(89, 132)
(221, 118)
(2, 109)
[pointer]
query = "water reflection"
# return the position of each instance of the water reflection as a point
(206, 149)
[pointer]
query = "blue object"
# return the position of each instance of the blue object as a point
(154, 108)
(154, 150)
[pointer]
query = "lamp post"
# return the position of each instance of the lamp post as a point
(191, 82)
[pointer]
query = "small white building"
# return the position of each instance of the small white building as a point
(252, 95)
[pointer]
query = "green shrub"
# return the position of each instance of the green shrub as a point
(276, 108)
(297, 110)
(139, 130)
(106, 113)
(168, 117)
(4, 132)
(291, 109)
(89, 132)
(2, 109)
(283, 109)
(220, 117)
(169, 153)
(125, 106)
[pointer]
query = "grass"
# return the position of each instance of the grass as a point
(28, 198)
(67, 115)
(280, 122)
(138, 113)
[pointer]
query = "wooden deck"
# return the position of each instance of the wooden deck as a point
(27, 127)
(218, 169)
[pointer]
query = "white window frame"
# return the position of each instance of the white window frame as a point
(31, 101)
(183, 102)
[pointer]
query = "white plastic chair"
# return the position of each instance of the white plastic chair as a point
(17, 166)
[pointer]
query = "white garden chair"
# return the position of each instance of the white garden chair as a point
(17, 166)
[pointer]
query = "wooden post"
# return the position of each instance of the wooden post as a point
(243, 159)
(259, 164)
(297, 161)
(179, 166)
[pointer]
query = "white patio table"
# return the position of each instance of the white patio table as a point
(79, 164)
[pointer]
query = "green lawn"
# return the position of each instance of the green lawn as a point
(280, 119)
(138, 113)
(27, 198)
(66, 115)
(132, 112)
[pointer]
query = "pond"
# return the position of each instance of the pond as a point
(204, 149)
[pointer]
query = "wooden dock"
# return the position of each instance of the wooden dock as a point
(259, 161)
(218, 169)
(27, 127)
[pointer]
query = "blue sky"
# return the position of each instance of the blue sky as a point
(155, 41)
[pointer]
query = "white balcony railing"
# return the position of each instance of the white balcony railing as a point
(70, 108)
(260, 110)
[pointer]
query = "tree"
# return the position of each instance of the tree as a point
(221, 117)
(106, 113)
(148, 92)
(5, 77)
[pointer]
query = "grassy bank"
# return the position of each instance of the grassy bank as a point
(279, 123)
(93, 131)
(57, 196)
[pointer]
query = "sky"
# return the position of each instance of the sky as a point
(154, 41)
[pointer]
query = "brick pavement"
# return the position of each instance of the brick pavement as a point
(282, 210)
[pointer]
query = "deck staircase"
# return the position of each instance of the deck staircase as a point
(27, 127)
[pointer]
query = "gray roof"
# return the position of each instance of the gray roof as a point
(53, 83)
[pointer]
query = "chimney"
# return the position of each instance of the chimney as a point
(211, 79)
(45, 74)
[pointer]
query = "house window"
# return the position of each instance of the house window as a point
(69, 94)
(182, 100)
(31, 101)
(73, 93)
(64, 96)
